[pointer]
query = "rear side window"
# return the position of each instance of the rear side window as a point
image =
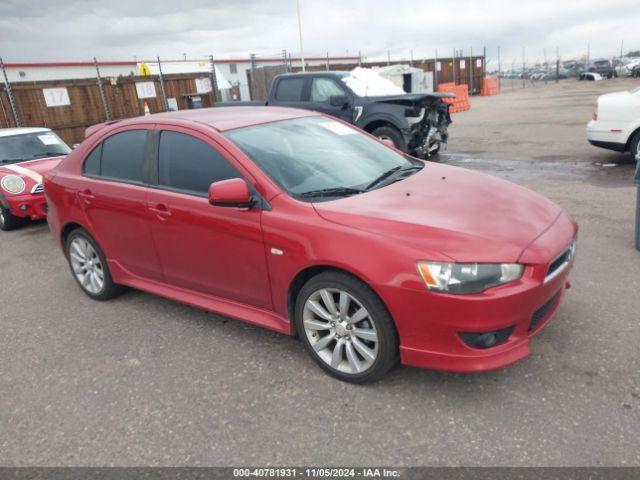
(123, 156)
(190, 165)
(290, 89)
(92, 162)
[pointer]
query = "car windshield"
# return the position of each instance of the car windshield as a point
(27, 146)
(320, 159)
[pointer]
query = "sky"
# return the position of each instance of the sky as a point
(78, 30)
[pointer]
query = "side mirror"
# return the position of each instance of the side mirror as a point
(338, 100)
(388, 142)
(230, 193)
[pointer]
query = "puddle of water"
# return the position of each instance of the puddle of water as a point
(547, 167)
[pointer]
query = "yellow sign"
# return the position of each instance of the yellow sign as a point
(144, 70)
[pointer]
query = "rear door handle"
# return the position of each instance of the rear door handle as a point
(161, 211)
(86, 196)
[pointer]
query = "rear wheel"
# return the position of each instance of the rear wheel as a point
(89, 266)
(346, 328)
(390, 133)
(8, 221)
(634, 146)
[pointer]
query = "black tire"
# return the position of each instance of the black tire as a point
(634, 145)
(387, 356)
(392, 134)
(109, 289)
(8, 221)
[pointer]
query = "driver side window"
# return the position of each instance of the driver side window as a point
(322, 89)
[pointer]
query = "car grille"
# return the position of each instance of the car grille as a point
(37, 188)
(539, 314)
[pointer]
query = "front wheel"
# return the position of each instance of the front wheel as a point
(346, 328)
(391, 133)
(8, 221)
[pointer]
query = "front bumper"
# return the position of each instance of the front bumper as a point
(430, 324)
(33, 206)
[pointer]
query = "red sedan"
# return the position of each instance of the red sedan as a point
(297, 222)
(25, 155)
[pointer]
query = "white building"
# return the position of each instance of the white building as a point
(234, 70)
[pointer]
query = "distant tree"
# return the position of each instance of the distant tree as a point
(635, 53)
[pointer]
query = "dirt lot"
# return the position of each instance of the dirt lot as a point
(142, 380)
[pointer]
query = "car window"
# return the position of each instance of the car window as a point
(92, 162)
(123, 156)
(322, 89)
(290, 89)
(27, 146)
(191, 165)
(341, 156)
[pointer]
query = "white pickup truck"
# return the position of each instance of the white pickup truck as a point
(616, 122)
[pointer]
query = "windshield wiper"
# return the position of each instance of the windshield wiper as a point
(393, 171)
(48, 154)
(330, 192)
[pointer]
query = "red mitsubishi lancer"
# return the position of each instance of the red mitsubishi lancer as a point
(298, 222)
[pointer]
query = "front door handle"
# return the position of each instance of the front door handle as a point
(161, 211)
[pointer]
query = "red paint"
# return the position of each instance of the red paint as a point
(27, 204)
(219, 258)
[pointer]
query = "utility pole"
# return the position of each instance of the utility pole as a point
(388, 57)
(300, 34)
(621, 48)
(411, 61)
(453, 62)
(435, 72)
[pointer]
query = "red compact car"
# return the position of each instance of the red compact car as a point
(294, 221)
(25, 155)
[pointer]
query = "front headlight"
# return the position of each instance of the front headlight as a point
(13, 184)
(463, 278)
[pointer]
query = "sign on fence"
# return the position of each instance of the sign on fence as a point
(173, 104)
(462, 64)
(203, 85)
(146, 89)
(56, 97)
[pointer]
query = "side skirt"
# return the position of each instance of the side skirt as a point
(254, 315)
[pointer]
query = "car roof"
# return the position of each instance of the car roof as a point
(228, 118)
(7, 132)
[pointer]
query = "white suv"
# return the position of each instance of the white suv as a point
(616, 122)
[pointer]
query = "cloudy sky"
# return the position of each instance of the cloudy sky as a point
(47, 30)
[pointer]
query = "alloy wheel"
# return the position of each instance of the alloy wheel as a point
(2, 219)
(340, 330)
(86, 265)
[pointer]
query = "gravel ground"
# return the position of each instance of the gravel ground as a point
(144, 381)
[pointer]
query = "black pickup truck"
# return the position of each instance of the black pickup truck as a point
(416, 123)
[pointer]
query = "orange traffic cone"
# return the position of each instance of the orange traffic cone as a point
(146, 109)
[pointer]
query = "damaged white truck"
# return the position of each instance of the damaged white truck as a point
(415, 123)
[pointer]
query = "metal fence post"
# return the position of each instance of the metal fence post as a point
(328, 62)
(637, 180)
(101, 89)
(162, 90)
(470, 70)
(12, 101)
(453, 62)
(214, 81)
(435, 72)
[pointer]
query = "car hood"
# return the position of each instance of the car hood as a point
(464, 215)
(412, 99)
(33, 169)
